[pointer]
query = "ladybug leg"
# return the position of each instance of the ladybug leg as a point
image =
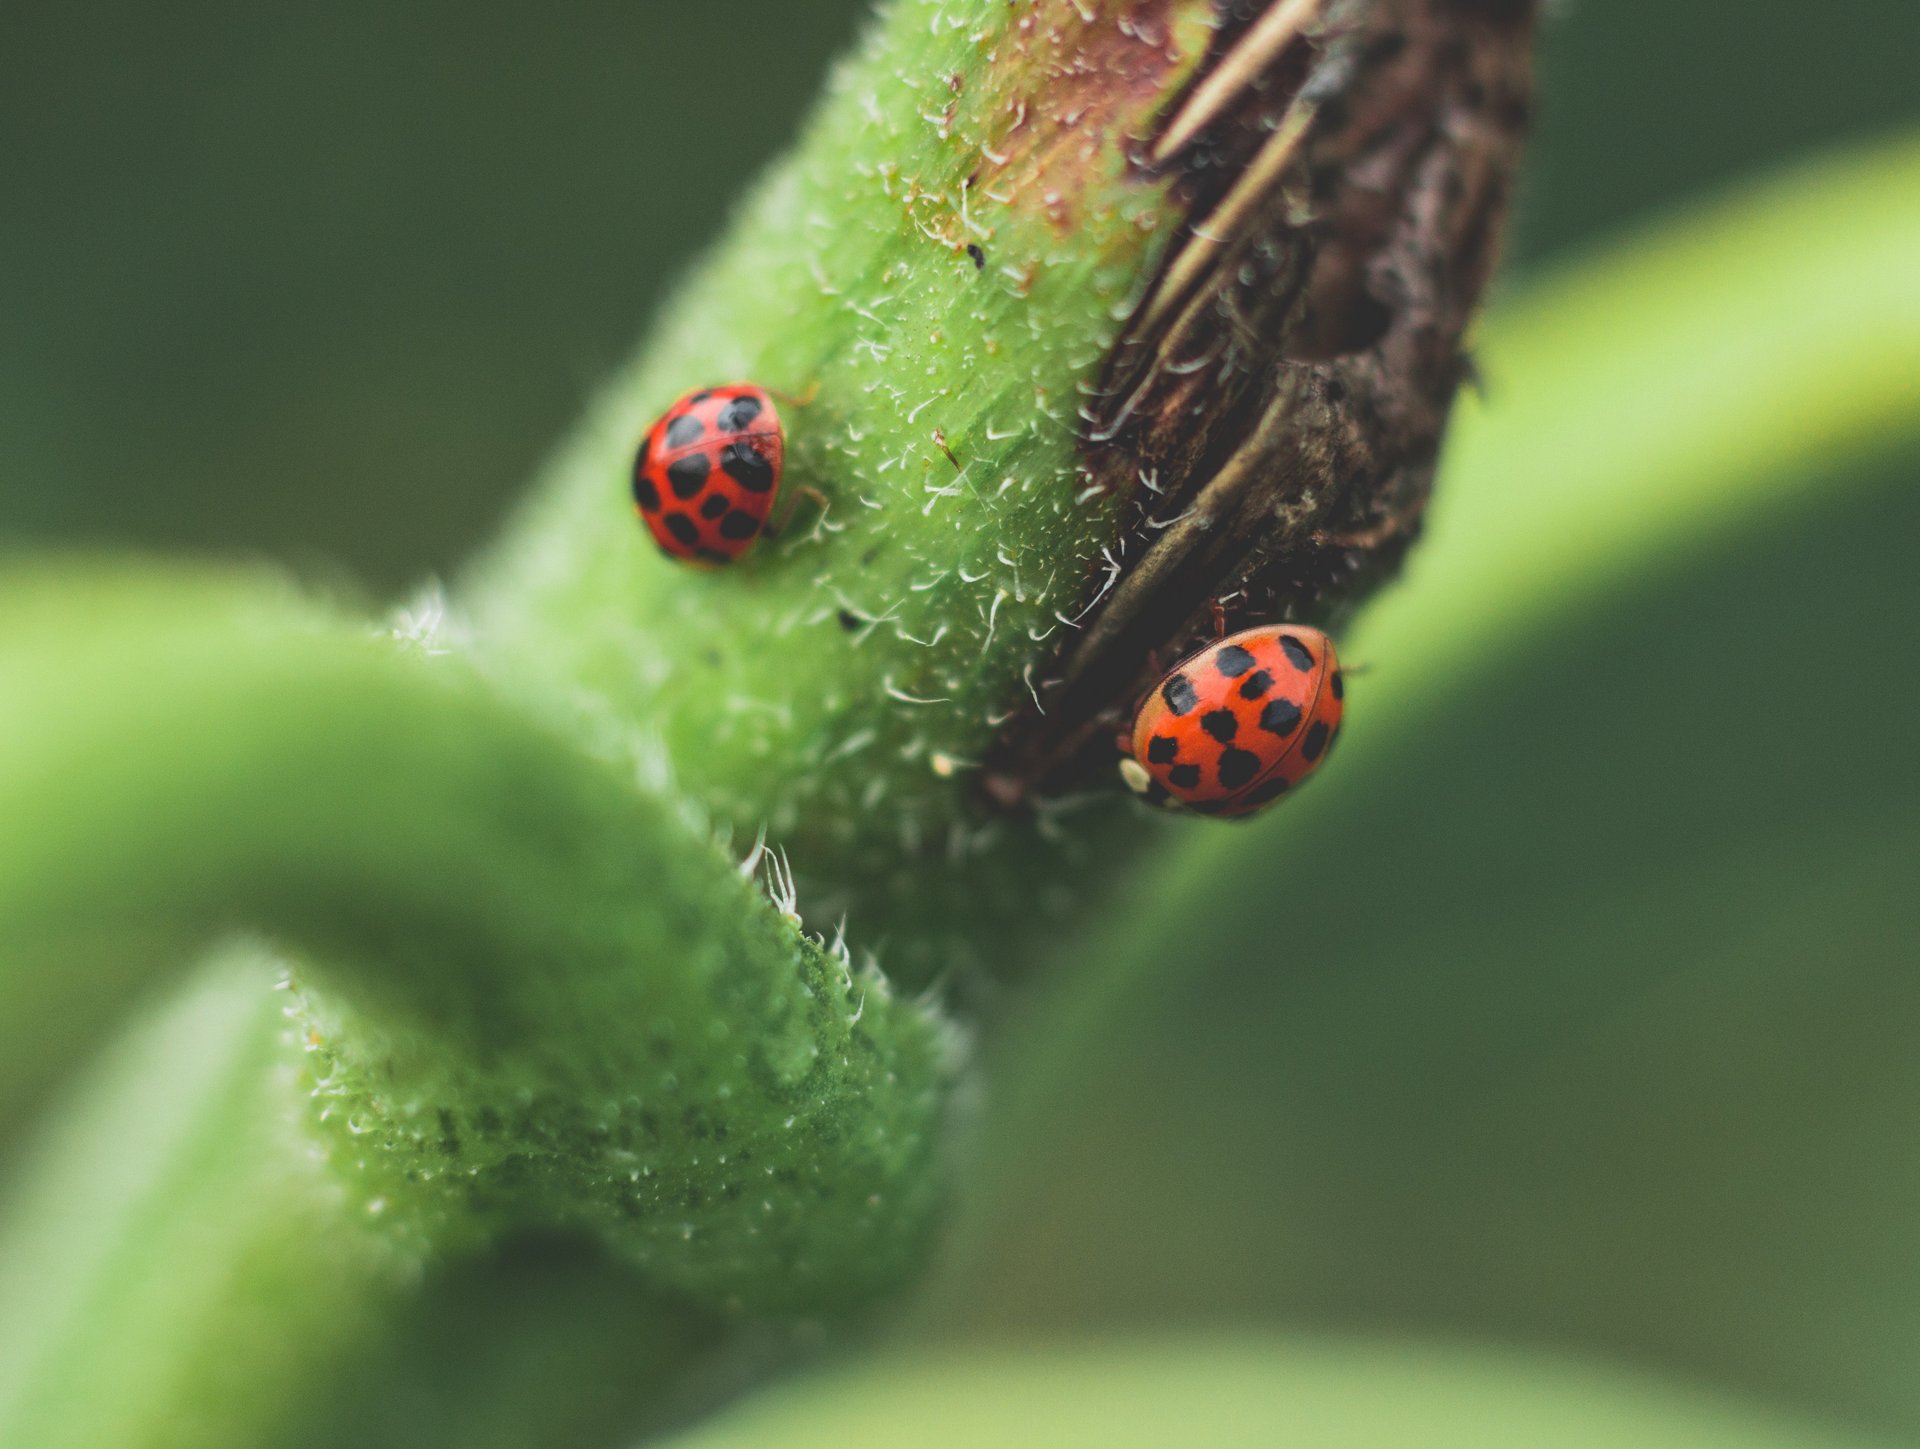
(1003, 790)
(778, 526)
(819, 501)
(1217, 611)
(1362, 538)
(797, 400)
(1368, 538)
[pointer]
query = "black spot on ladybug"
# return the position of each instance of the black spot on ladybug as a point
(683, 430)
(1315, 742)
(688, 475)
(1297, 653)
(851, 621)
(1220, 723)
(743, 463)
(1233, 661)
(1184, 777)
(1237, 767)
(1256, 684)
(739, 525)
(1179, 694)
(683, 528)
(699, 397)
(979, 256)
(738, 415)
(1263, 792)
(1162, 750)
(713, 505)
(1339, 685)
(645, 494)
(1280, 717)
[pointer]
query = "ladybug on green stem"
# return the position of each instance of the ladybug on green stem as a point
(1239, 724)
(707, 472)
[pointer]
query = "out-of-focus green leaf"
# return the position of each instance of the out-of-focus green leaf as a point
(1694, 375)
(1579, 1000)
(1250, 1393)
(174, 1256)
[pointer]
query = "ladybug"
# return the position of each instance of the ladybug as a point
(1239, 724)
(706, 474)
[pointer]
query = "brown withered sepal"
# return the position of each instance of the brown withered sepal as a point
(1273, 409)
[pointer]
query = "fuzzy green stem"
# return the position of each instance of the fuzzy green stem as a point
(180, 1270)
(841, 685)
(541, 999)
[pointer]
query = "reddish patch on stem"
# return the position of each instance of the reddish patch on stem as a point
(1069, 92)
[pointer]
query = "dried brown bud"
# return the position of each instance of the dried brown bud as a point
(1273, 409)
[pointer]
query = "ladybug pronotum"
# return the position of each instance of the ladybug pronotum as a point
(1239, 724)
(706, 474)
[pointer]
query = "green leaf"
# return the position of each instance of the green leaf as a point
(176, 1262)
(1576, 1001)
(1252, 1393)
(1699, 373)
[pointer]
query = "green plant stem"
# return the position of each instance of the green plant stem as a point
(841, 684)
(539, 998)
(180, 1270)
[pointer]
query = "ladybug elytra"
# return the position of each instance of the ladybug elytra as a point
(1239, 724)
(706, 474)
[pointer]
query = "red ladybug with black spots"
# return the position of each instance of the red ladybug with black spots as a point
(1241, 723)
(706, 474)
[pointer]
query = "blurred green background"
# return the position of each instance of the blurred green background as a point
(1597, 1031)
(325, 281)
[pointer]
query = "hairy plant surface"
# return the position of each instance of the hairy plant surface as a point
(1097, 321)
